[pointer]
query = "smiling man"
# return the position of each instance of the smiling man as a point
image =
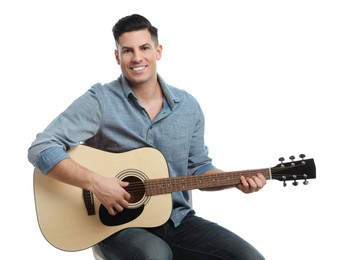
(140, 109)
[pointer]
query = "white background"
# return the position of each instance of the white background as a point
(268, 75)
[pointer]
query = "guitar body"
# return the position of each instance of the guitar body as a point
(61, 211)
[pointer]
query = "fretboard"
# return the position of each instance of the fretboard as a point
(202, 181)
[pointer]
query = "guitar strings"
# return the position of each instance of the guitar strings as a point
(168, 185)
(139, 188)
(279, 169)
(161, 186)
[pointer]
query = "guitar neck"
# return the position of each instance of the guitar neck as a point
(203, 181)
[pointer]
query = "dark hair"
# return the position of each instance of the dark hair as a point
(134, 22)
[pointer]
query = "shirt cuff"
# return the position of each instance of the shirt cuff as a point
(50, 157)
(205, 168)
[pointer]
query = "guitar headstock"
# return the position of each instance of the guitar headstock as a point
(303, 169)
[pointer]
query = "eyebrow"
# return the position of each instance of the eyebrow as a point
(143, 45)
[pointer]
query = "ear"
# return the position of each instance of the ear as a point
(117, 57)
(158, 52)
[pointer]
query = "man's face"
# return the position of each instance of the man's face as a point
(138, 55)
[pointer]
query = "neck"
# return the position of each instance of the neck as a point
(148, 92)
(150, 97)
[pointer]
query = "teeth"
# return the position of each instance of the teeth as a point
(138, 68)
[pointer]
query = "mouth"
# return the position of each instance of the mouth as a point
(138, 68)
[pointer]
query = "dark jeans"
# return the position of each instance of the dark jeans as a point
(195, 238)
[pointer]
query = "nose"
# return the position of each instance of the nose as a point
(137, 57)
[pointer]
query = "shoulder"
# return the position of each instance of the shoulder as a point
(107, 91)
(178, 95)
(112, 86)
(183, 95)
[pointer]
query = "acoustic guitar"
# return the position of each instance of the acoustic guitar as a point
(72, 219)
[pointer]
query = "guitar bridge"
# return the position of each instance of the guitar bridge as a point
(89, 203)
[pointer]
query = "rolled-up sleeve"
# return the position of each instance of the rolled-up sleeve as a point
(49, 158)
(80, 121)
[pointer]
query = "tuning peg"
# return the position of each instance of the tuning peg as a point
(292, 158)
(305, 182)
(295, 183)
(284, 181)
(302, 156)
(281, 159)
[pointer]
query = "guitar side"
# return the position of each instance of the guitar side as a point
(60, 207)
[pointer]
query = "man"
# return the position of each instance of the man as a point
(139, 109)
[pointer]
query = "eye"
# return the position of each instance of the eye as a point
(145, 48)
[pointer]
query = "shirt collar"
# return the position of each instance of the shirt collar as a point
(169, 95)
(171, 99)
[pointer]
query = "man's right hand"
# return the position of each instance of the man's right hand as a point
(111, 193)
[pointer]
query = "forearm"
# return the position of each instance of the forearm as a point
(70, 172)
(109, 191)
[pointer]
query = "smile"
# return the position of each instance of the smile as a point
(138, 68)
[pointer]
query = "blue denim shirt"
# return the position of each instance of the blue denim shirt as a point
(109, 117)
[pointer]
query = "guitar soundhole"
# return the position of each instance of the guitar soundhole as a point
(136, 189)
(137, 200)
